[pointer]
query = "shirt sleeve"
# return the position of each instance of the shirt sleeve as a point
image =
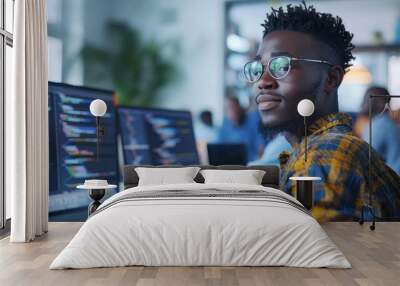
(221, 136)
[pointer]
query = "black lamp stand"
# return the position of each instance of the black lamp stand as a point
(305, 191)
(96, 195)
(305, 140)
(99, 134)
(305, 188)
(368, 207)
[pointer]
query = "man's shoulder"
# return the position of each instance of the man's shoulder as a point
(338, 141)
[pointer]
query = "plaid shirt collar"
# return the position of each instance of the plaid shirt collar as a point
(329, 121)
(319, 126)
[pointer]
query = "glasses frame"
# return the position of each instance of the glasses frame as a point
(290, 66)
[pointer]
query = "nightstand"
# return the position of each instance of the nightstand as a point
(305, 190)
(97, 190)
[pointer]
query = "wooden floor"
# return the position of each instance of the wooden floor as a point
(375, 257)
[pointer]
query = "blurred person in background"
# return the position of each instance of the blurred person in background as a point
(385, 131)
(362, 120)
(239, 126)
(205, 130)
(273, 148)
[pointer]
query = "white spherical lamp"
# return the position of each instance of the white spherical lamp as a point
(305, 107)
(98, 107)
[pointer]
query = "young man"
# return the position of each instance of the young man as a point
(304, 54)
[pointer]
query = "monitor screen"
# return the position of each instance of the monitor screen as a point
(73, 148)
(157, 136)
(226, 154)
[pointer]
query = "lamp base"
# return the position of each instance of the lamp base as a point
(304, 191)
(371, 210)
(96, 195)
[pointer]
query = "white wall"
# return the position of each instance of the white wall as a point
(197, 25)
(361, 17)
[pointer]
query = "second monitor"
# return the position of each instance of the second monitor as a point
(157, 136)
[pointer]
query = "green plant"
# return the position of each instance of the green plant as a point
(137, 70)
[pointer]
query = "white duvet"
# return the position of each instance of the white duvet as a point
(200, 231)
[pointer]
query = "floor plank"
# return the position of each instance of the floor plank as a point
(375, 257)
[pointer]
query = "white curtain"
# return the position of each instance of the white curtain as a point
(27, 124)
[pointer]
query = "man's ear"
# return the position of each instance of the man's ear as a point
(333, 79)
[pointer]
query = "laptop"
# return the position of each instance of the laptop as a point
(226, 154)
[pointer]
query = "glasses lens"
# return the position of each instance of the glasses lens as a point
(253, 71)
(279, 67)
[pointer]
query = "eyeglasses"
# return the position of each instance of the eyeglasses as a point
(278, 67)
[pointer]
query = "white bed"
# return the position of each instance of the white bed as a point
(269, 228)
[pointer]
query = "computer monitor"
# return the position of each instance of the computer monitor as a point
(72, 144)
(157, 136)
(226, 154)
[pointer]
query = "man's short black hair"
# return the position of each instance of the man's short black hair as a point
(323, 26)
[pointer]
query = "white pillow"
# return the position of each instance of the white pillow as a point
(248, 177)
(163, 176)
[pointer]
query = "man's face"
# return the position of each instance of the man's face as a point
(278, 98)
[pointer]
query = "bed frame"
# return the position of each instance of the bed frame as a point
(270, 179)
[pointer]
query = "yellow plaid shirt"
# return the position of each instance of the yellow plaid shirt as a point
(341, 160)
